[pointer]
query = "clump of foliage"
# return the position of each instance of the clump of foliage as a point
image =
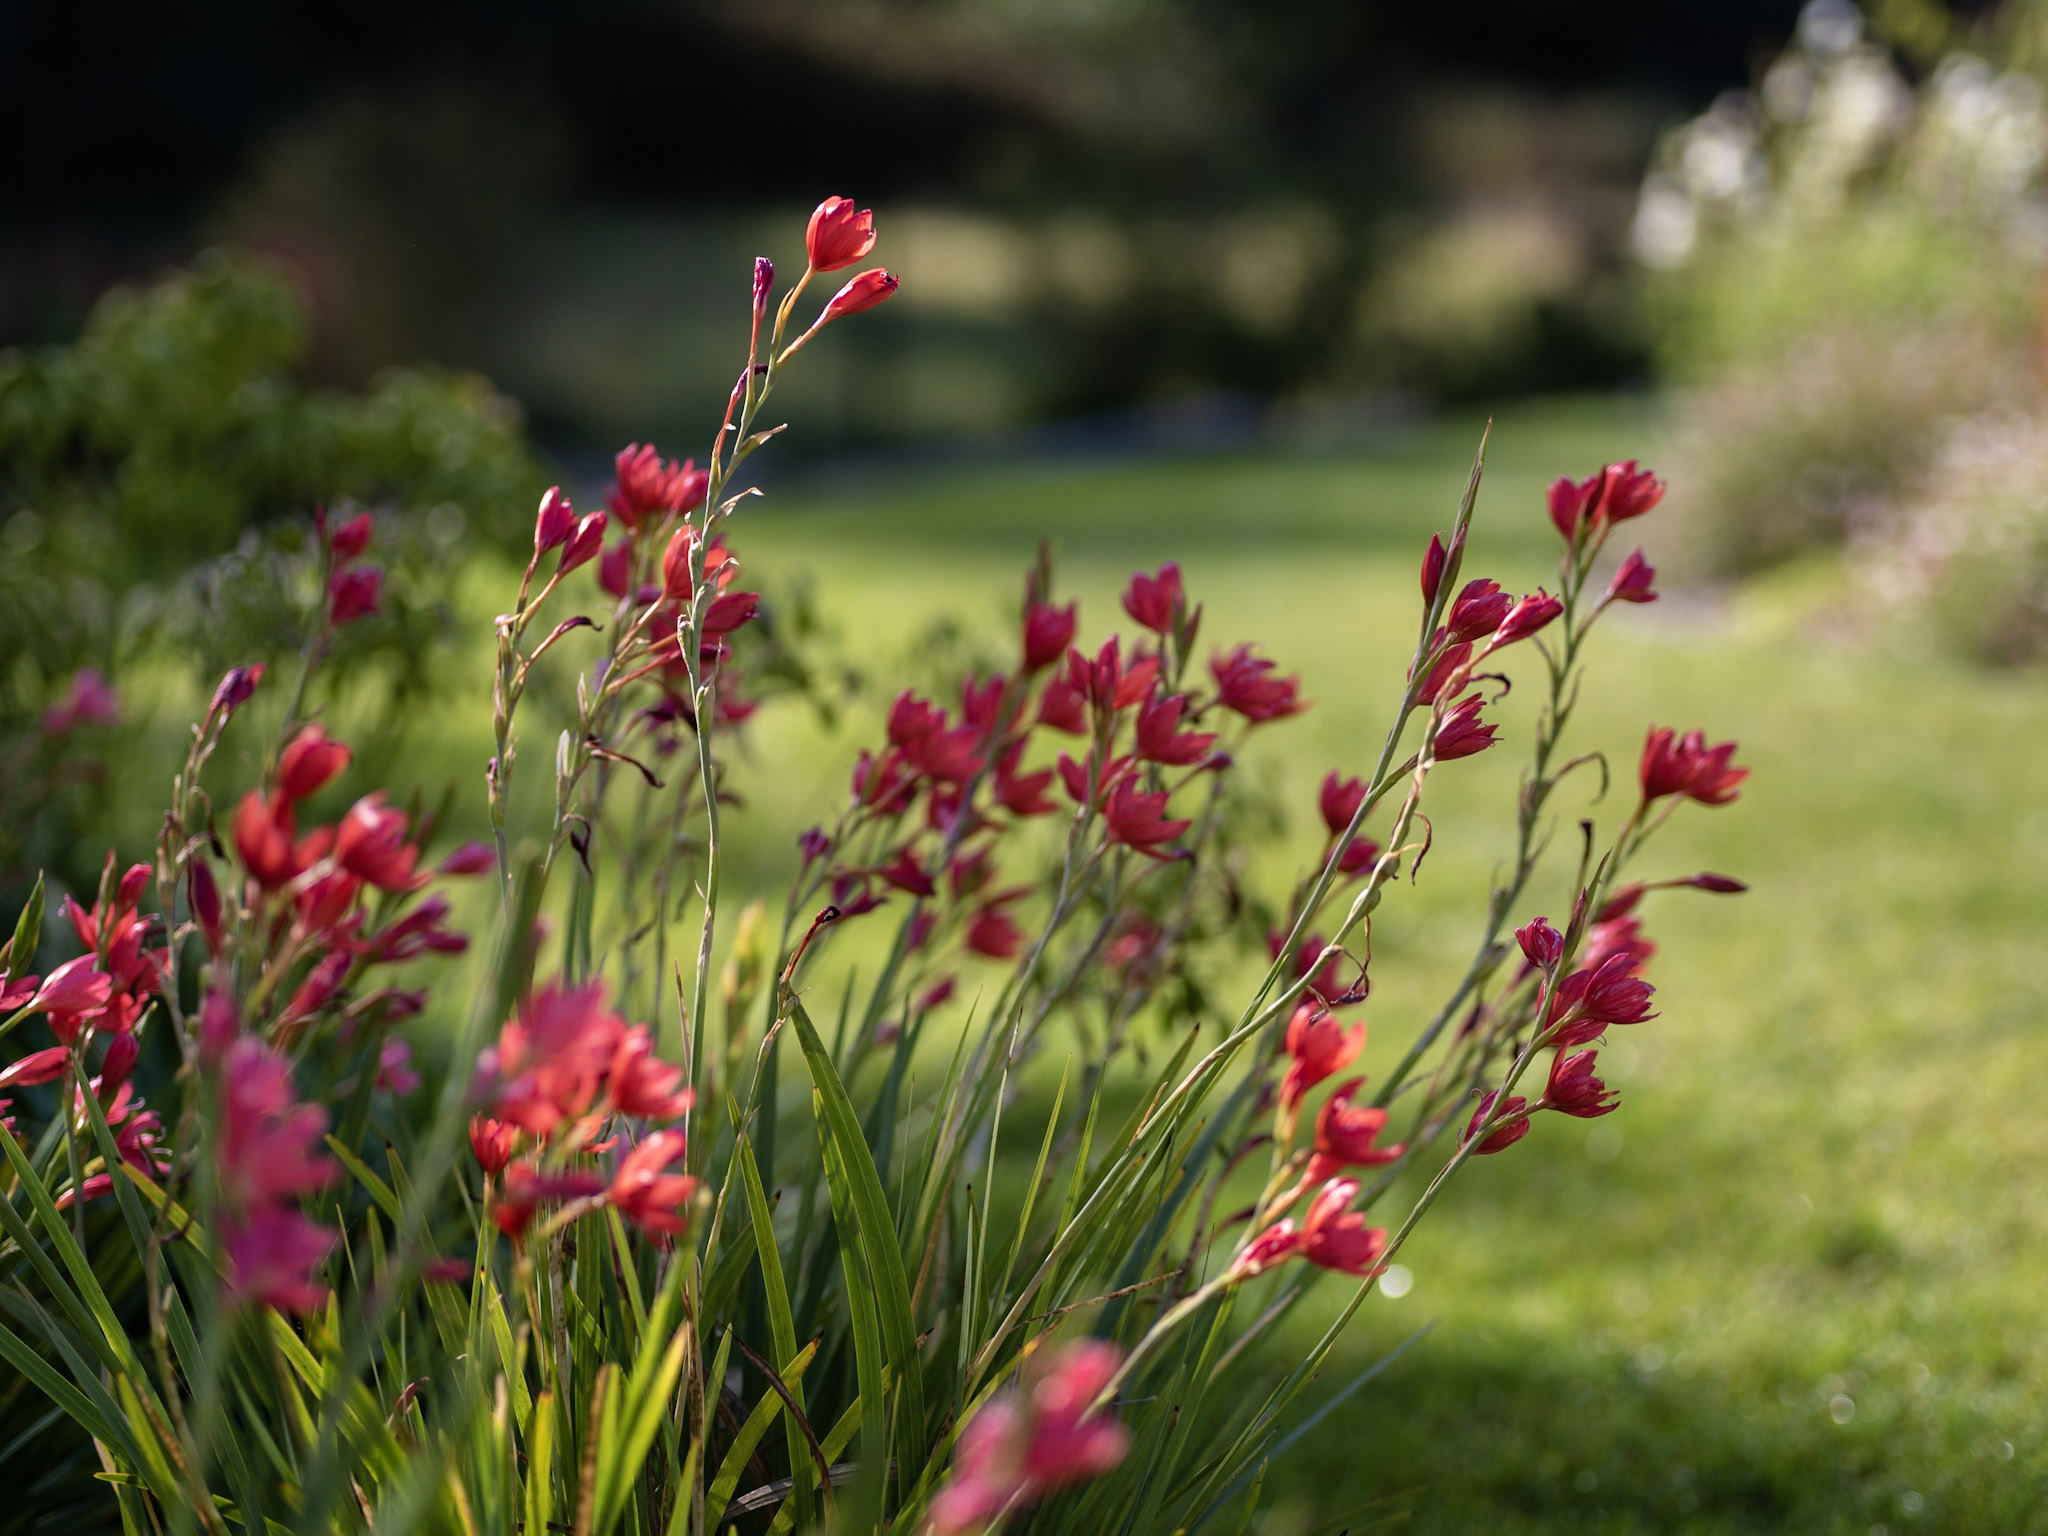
(637, 1243)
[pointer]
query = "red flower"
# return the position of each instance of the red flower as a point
(553, 1056)
(266, 1144)
(1062, 707)
(645, 1194)
(1542, 944)
(1574, 1090)
(353, 594)
(1527, 617)
(1021, 794)
(1359, 855)
(271, 1255)
(1462, 733)
(1512, 1126)
(1335, 1237)
(308, 763)
(1478, 610)
(1434, 560)
(1339, 801)
(839, 234)
(493, 1142)
(1345, 1133)
(648, 486)
(1689, 767)
(1618, 936)
(1105, 682)
(1158, 723)
(907, 875)
(1447, 671)
(1320, 1047)
(1244, 686)
(641, 1084)
(994, 933)
(351, 538)
(471, 858)
(1137, 821)
(1590, 999)
(1048, 631)
(979, 701)
(862, 292)
(1154, 600)
(370, 844)
(555, 521)
(1618, 493)
(1633, 582)
(526, 1187)
(615, 569)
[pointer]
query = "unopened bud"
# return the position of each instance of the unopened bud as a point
(119, 1062)
(1541, 943)
(555, 521)
(1720, 885)
(764, 279)
(1433, 561)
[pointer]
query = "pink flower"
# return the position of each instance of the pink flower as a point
(353, 594)
(370, 844)
(71, 994)
(394, 1069)
(1320, 1047)
(1634, 581)
(585, 540)
(1589, 1000)
(351, 538)
(36, 1068)
(1048, 631)
(494, 1142)
(1335, 1237)
(1105, 682)
(838, 235)
(271, 1255)
(1024, 1445)
(90, 700)
(554, 1055)
(1345, 1136)
(1062, 707)
(1512, 1126)
(266, 1142)
(1277, 1244)
(1021, 794)
(1154, 600)
(645, 1194)
(308, 763)
(1359, 855)
(1574, 1090)
(642, 1084)
(907, 875)
(1618, 493)
(615, 570)
(1244, 685)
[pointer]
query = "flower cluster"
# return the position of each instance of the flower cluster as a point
(563, 1067)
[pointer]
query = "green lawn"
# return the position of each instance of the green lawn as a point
(1795, 1284)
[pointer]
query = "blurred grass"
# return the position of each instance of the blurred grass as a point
(1795, 1284)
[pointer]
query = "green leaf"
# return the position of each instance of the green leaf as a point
(540, 1466)
(756, 1425)
(382, 1193)
(867, 1343)
(877, 1236)
(28, 929)
(781, 1325)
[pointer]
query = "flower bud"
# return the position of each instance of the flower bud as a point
(584, 543)
(1527, 617)
(204, 896)
(351, 538)
(1543, 944)
(353, 595)
(234, 690)
(555, 521)
(1434, 560)
(118, 1062)
(764, 279)
(862, 292)
(1634, 581)
(309, 762)
(1720, 885)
